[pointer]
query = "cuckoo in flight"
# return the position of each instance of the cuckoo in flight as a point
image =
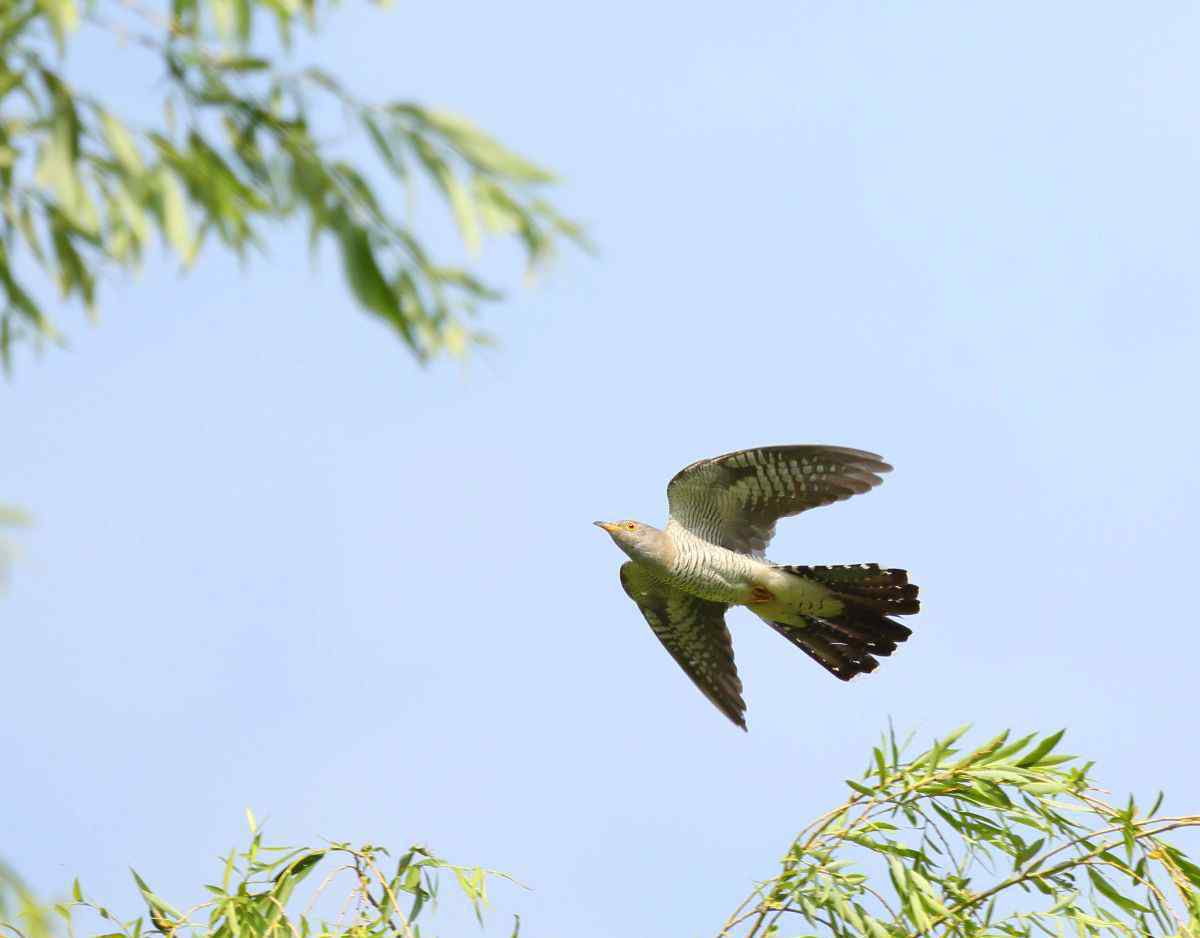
(710, 557)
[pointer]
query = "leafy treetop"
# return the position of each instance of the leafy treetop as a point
(242, 143)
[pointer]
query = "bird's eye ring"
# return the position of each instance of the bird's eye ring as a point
(631, 526)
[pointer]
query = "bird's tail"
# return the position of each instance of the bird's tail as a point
(845, 644)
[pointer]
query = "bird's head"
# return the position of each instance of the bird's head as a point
(639, 541)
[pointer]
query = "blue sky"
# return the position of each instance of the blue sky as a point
(276, 565)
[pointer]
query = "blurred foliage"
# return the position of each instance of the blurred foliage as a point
(10, 517)
(242, 142)
(368, 893)
(1006, 839)
(18, 905)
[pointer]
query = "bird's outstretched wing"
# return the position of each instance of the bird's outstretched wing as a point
(734, 500)
(693, 630)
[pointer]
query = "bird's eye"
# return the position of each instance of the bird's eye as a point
(631, 526)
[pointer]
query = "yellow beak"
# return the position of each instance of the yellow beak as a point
(607, 525)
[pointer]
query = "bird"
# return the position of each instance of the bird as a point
(711, 555)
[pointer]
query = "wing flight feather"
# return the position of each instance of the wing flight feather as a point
(734, 500)
(693, 630)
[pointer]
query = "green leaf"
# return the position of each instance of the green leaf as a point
(982, 752)
(990, 793)
(500, 214)
(243, 63)
(484, 151)
(175, 217)
(21, 301)
(57, 168)
(880, 765)
(1110, 893)
(1046, 762)
(1044, 788)
(9, 81)
(120, 141)
(325, 80)
(454, 339)
(224, 16)
(363, 271)
(899, 876)
(367, 281)
(294, 873)
(132, 214)
(63, 15)
(73, 274)
(1129, 837)
(875, 928)
(461, 202)
(1063, 901)
(12, 516)
(157, 906)
(1028, 852)
(227, 878)
(6, 340)
(1041, 749)
(1012, 748)
(30, 234)
(383, 146)
(930, 759)
(1189, 869)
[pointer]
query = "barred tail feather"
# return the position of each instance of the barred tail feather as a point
(845, 645)
(865, 585)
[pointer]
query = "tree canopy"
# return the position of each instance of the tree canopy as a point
(1008, 838)
(247, 138)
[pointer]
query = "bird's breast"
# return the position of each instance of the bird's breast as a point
(710, 571)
